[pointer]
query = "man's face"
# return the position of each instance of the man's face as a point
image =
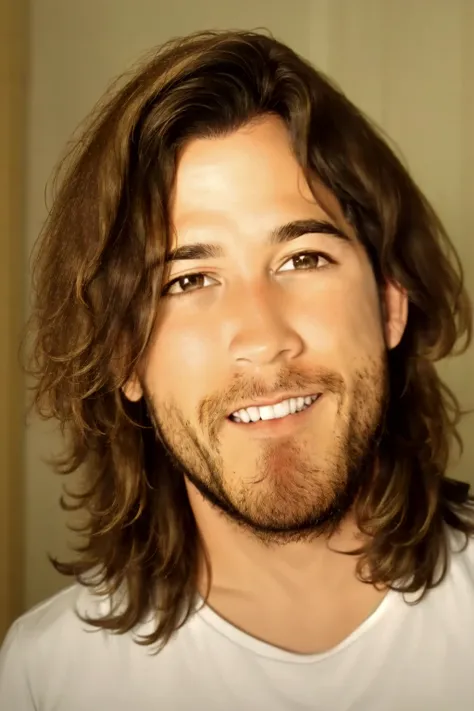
(255, 319)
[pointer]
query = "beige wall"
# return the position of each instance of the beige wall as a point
(409, 65)
(13, 64)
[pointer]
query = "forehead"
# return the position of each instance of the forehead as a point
(248, 179)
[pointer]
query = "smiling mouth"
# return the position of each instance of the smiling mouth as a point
(281, 410)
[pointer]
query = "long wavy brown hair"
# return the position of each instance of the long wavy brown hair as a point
(98, 276)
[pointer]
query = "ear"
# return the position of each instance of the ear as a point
(132, 389)
(395, 313)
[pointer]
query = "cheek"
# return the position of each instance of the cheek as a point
(181, 359)
(343, 324)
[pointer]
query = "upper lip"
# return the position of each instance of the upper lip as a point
(270, 401)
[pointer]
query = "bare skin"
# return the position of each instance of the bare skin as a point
(257, 321)
(303, 597)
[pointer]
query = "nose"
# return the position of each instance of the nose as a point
(261, 331)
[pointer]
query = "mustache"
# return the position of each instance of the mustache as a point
(215, 407)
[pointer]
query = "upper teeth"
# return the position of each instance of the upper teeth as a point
(272, 412)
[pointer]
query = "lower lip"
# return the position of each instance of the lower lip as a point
(280, 427)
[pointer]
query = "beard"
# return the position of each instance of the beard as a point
(288, 490)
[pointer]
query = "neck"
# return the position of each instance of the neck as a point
(242, 564)
(302, 596)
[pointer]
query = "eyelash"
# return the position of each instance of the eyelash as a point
(305, 253)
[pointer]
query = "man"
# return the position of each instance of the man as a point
(241, 295)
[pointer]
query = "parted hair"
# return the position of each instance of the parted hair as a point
(98, 275)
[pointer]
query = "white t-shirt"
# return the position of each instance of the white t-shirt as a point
(402, 658)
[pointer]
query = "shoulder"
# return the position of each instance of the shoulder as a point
(61, 612)
(461, 550)
(39, 641)
(61, 617)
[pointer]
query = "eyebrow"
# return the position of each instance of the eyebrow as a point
(280, 235)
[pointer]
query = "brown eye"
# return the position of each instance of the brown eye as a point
(305, 260)
(191, 281)
(186, 283)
